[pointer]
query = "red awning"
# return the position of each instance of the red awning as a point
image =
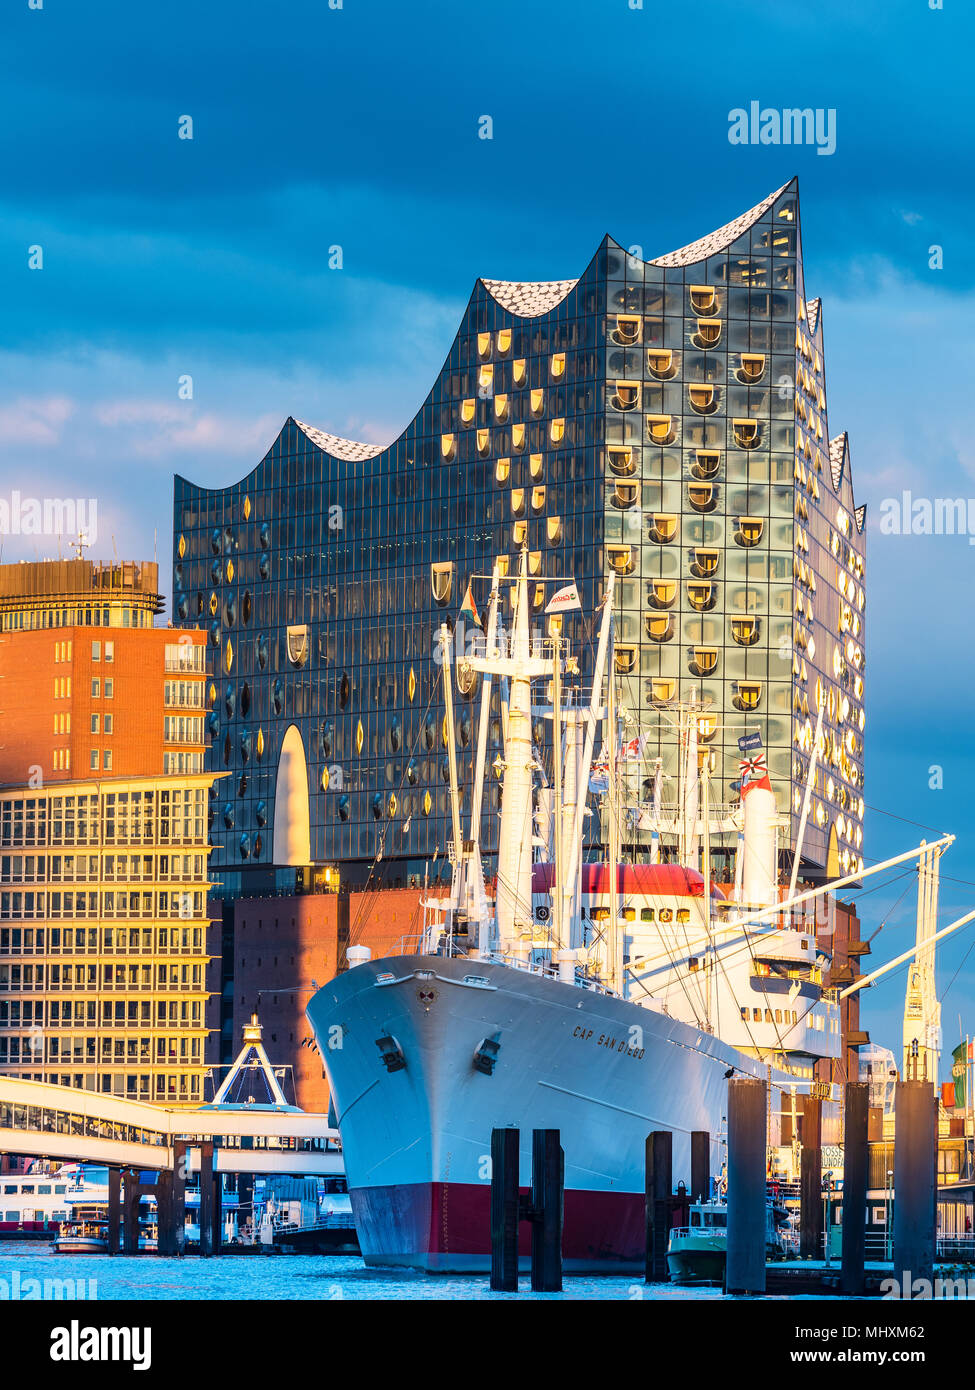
(634, 880)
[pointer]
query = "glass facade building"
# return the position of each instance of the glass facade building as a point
(664, 418)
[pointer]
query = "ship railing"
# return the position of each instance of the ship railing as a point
(551, 971)
(957, 1248)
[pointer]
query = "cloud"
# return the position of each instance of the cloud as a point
(36, 420)
(156, 428)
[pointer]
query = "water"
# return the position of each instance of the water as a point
(286, 1278)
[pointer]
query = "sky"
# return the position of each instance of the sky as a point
(354, 124)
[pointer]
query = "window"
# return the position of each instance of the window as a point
(107, 759)
(96, 651)
(109, 689)
(109, 651)
(94, 723)
(94, 759)
(109, 723)
(96, 688)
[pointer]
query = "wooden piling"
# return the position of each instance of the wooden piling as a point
(745, 1264)
(548, 1181)
(658, 1183)
(811, 1181)
(915, 1181)
(504, 1210)
(855, 1161)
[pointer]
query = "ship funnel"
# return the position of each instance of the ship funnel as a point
(759, 882)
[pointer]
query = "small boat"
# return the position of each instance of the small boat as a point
(697, 1253)
(85, 1232)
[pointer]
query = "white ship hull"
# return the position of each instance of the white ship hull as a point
(417, 1140)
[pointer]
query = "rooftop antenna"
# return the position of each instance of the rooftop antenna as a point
(79, 545)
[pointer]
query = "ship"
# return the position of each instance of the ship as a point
(605, 1000)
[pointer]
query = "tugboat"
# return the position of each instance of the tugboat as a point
(698, 1252)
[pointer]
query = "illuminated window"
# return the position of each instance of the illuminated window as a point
(704, 562)
(620, 557)
(752, 367)
(663, 527)
(746, 694)
(703, 299)
(660, 626)
(661, 593)
(621, 460)
(661, 429)
(441, 580)
(706, 463)
(704, 661)
(626, 396)
(708, 333)
(703, 399)
(750, 530)
(747, 433)
(701, 594)
(628, 330)
(702, 496)
(626, 658)
(661, 364)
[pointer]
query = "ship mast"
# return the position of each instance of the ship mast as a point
(558, 900)
(614, 952)
(922, 1012)
(514, 889)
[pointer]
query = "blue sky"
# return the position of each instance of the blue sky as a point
(357, 127)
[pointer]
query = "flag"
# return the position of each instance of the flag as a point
(599, 774)
(633, 748)
(564, 599)
(959, 1073)
(468, 609)
(753, 767)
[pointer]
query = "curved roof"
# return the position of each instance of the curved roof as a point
(528, 298)
(837, 456)
(338, 447)
(721, 239)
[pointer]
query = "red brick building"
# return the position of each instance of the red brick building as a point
(286, 946)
